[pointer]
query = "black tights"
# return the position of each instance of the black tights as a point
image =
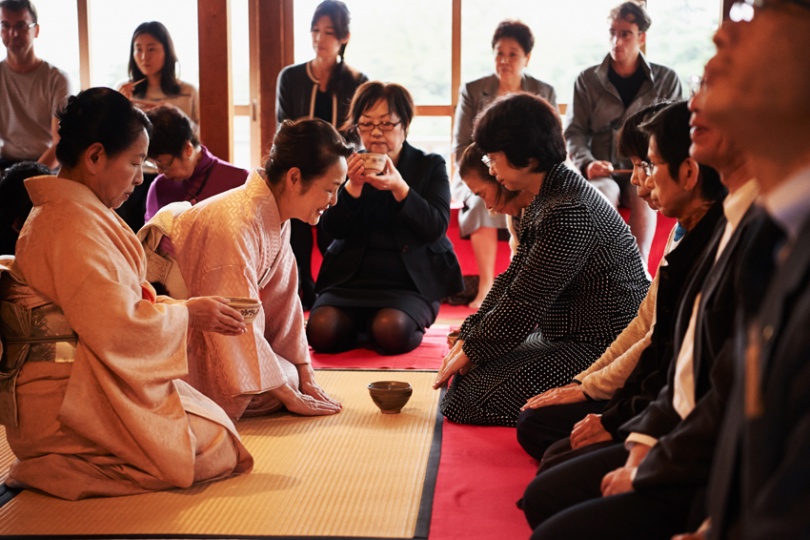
(332, 329)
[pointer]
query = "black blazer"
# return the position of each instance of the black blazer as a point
(419, 223)
(683, 455)
(650, 374)
(760, 483)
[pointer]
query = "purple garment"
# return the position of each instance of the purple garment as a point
(210, 177)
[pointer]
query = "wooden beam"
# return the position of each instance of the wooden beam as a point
(216, 85)
(84, 44)
(275, 51)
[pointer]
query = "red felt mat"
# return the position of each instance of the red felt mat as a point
(482, 473)
(428, 355)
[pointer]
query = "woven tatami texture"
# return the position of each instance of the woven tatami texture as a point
(358, 473)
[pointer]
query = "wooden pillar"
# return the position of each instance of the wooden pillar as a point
(275, 51)
(216, 86)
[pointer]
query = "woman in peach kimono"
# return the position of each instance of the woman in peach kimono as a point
(91, 397)
(236, 244)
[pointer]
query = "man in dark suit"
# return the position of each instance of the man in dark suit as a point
(760, 485)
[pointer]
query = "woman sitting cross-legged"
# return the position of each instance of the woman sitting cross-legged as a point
(390, 261)
(576, 281)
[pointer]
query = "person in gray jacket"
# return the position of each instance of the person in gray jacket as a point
(512, 45)
(604, 96)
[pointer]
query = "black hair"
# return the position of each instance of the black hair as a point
(98, 115)
(471, 162)
(523, 126)
(168, 77)
(670, 127)
(516, 30)
(15, 204)
(632, 12)
(369, 93)
(311, 145)
(339, 14)
(15, 6)
(171, 130)
(632, 141)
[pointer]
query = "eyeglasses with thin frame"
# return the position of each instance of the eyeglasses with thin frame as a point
(646, 167)
(487, 160)
(366, 127)
(744, 10)
(164, 168)
(21, 27)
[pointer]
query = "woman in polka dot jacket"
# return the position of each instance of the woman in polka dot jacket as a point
(575, 282)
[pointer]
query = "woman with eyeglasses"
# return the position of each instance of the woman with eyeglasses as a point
(320, 88)
(390, 262)
(512, 45)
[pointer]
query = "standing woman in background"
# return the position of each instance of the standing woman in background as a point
(512, 46)
(321, 88)
(153, 81)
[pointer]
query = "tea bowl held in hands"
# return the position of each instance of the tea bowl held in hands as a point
(373, 163)
(248, 307)
(390, 396)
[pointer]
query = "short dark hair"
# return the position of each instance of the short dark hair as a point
(168, 77)
(632, 12)
(516, 30)
(369, 93)
(633, 142)
(670, 127)
(15, 6)
(171, 130)
(311, 145)
(15, 204)
(98, 115)
(523, 126)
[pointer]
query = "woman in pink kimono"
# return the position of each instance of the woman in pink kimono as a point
(236, 244)
(89, 390)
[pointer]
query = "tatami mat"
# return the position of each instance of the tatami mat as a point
(355, 474)
(6, 457)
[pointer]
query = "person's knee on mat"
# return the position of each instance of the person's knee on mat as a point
(331, 330)
(395, 332)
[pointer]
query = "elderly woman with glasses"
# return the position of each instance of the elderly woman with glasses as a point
(390, 262)
(575, 282)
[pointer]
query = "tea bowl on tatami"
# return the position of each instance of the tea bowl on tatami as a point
(373, 163)
(390, 396)
(248, 307)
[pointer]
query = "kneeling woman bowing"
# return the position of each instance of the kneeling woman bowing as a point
(575, 282)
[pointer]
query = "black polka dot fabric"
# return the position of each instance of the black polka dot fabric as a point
(576, 281)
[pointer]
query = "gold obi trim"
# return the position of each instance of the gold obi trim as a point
(29, 335)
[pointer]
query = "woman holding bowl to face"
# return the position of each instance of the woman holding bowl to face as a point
(390, 262)
(574, 284)
(96, 406)
(512, 46)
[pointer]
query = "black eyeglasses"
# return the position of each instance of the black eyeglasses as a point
(21, 27)
(366, 127)
(744, 10)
